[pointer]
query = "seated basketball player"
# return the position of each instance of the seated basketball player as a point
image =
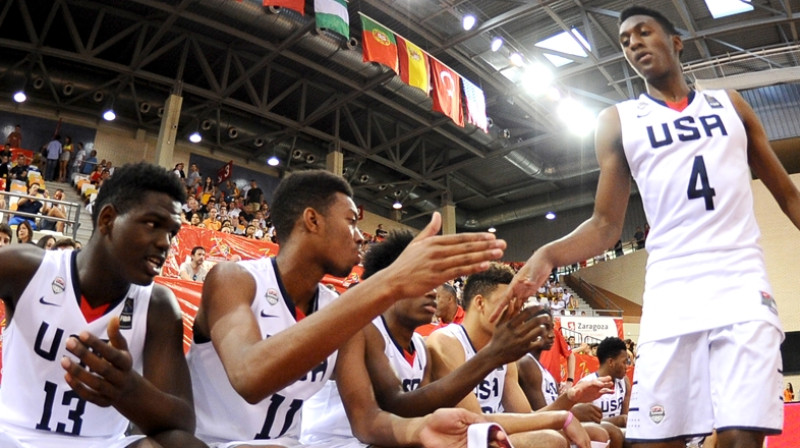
(541, 389)
(453, 345)
(91, 342)
(267, 332)
(613, 356)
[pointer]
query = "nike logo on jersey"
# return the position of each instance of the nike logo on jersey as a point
(45, 302)
(263, 314)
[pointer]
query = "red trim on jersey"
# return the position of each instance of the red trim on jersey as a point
(410, 357)
(679, 105)
(92, 314)
(299, 314)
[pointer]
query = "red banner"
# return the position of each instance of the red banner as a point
(447, 92)
(225, 172)
(2, 327)
(188, 294)
(297, 5)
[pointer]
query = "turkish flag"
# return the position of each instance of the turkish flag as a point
(447, 91)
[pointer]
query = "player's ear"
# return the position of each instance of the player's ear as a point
(106, 217)
(677, 43)
(311, 220)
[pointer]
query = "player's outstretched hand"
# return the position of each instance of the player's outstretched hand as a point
(107, 375)
(432, 259)
(524, 285)
(577, 435)
(514, 336)
(447, 428)
(588, 391)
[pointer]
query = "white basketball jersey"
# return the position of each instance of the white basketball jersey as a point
(35, 400)
(222, 414)
(549, 386)
(694, 179)
(324, 418)
(610, 404)
(490, 390)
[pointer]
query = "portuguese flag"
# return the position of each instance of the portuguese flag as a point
(414, 67)
(379, 44)
(297, 5)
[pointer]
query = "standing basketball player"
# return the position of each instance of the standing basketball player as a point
(691, 154)
(91, 342)
(267, 332)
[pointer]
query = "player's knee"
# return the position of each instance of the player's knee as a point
(174, 439)
(546, 438)
(737, 438)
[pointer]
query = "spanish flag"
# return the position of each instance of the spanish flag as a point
(297, 5)
(379, 44)
(414, 67)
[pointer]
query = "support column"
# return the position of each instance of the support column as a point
(334, 162)
(169, 130)
(448, 219)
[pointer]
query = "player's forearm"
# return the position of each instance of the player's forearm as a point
(385, 429)
(589, 239)
(620, 421)
(154, 411)
(562, 403)
(516, 423)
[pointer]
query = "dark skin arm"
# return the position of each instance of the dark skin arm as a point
(511, 340)
(18, 264)
(158, 400)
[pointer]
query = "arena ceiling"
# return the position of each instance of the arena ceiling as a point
(259, 82)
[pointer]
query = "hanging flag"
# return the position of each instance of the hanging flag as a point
(447, 92)
(297, 5)
(476, 105)
(332, 15)
(414, 67)
(379, 44)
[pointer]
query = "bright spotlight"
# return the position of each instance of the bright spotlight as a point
(491, 230)
(468, 21)
(537, 78)
(580, 119)
(397, 205)
(516, 59)
(497, 42)
(109, 115)
(20, 96)
(195, 137)
(273, 161)
(550, 215)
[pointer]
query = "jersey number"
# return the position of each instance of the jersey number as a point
(275, 403)
(74, 414)
(705, 191)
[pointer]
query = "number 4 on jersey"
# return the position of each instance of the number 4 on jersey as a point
(705, 191)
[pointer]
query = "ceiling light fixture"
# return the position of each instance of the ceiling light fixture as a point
(516, 59)
(19, 96)
(468, 21)
(109, 115)
(397, 204)
(273, 161)
(491, 230)
(497, 42)
(550, 215)
(195, 137)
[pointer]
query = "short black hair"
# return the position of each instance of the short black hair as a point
(635, 10)
(610, 348)
(484, 283)
(65, 242)
(5, 228)
(450, 290)
(381, 255)
(300, 190)
(43, 240)
(196, 248)
(130, 182)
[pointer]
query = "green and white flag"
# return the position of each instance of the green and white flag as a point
(332, 15)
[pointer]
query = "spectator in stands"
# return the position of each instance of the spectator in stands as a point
(447, 310)
(53, 152)
(178, 171)
(194, 269)
(193, 179)
(15, 137)
(19, 171)
(571, 342)
(30, 205)
(47, 242)
(66, 244)
(254, 196)
(236, 209)
(613, 357)
(77, 161)
(380, 232)
(5, 234)
(90, 163)
(24, 232)
(5, 171)
(250, 231)
(96, 175)
(542, 391)
(55, 211)
(788, 393)
(64, 158)
(212, 222)
(194, 219)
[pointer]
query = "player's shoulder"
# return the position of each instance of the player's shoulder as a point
(18, 264)
(163, 303)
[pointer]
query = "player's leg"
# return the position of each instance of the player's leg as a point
(746, 383)
(546, 438)
(671, 398)
(615, 434)
(177, 438)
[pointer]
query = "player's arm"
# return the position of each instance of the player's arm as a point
(511, 338)
(530, 379)
(513, 397)
(446, 356)
(371, 425)
(18, 264)
(600, 231)
(765, 163)
(161, 398)
(258, 368)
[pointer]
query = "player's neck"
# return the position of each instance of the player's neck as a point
(673, 89)
(477, 334)
(603, 371)
(96, 282)
(299, 276)
(397, 330)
